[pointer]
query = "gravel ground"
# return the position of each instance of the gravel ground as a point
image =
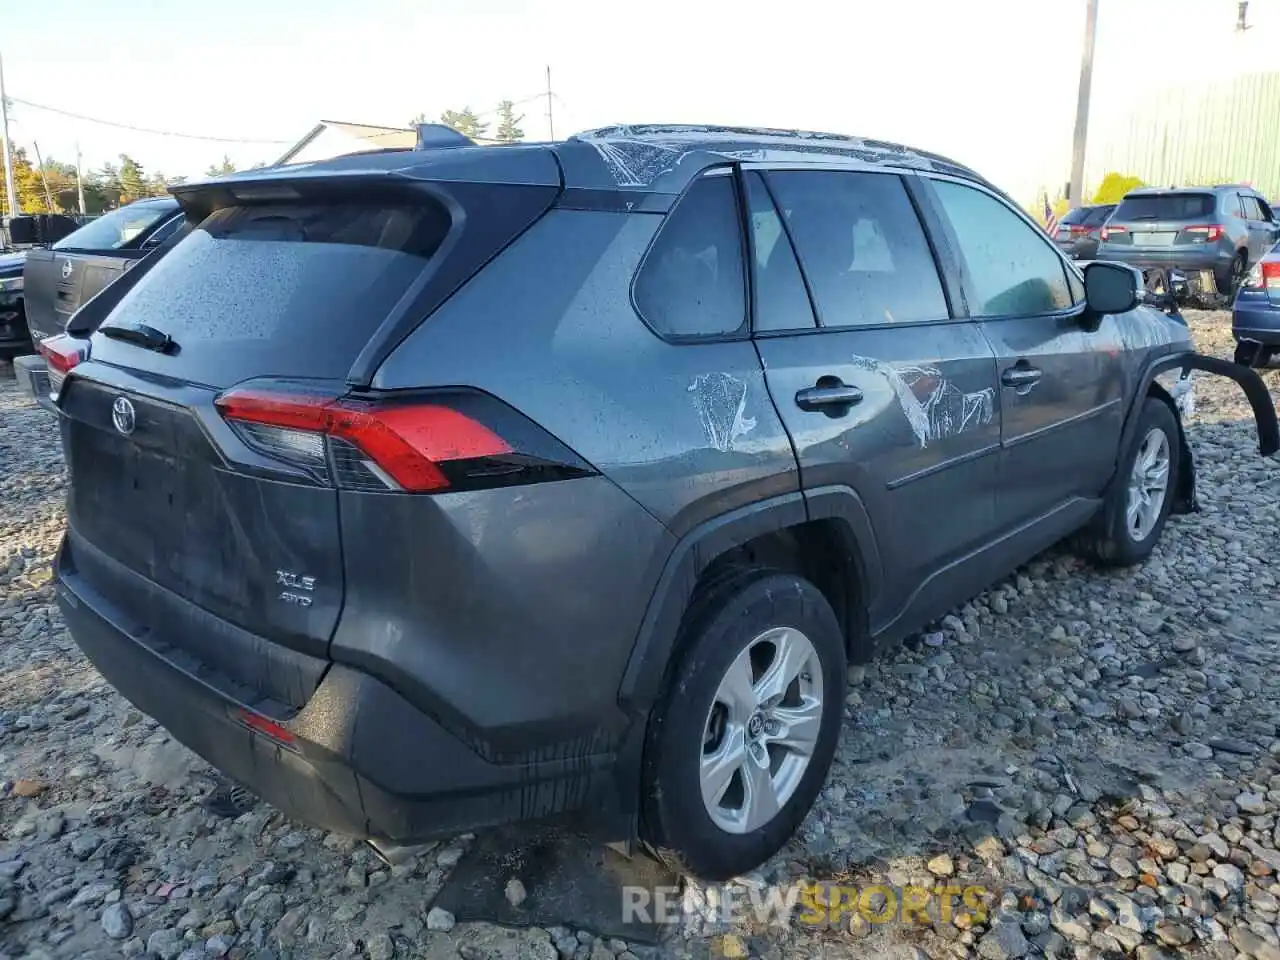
(1097, 751)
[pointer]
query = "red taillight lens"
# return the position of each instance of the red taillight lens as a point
(1109, 232)
(63, 352)
(1077, 230)
(405, 442)
(1202, 233)
(1271, 275)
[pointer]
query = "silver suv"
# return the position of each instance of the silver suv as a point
(1208, 236)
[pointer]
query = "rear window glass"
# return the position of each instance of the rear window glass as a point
(692, 284)
(114, 230)
(286, 290)
(1166, 206)
(1078, 215)
(1098, 215)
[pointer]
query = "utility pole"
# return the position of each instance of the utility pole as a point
(551, 124)
(1076, 189)
(48, 197)
(79, 181)
(10, 192)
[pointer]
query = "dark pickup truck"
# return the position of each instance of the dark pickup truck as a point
(59, 279)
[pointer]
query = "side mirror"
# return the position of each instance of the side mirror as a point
(1112, 288)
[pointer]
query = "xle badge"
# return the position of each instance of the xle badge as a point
(297, 587)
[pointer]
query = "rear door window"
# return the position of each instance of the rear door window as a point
(861, 247)
(1251, 209)
(1166, 206)
(781, 301)
(1012, 270)
(282, 289)
(692, 283)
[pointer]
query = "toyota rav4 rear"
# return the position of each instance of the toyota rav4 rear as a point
(322, 588)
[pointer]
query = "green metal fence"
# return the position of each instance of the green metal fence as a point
(1223, 132)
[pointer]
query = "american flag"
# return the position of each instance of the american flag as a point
(1050, 221)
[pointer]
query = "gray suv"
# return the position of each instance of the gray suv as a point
(427, 490)
(1209, 235)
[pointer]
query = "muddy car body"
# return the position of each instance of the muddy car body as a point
(427, 490)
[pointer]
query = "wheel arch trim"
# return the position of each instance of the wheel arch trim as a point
(697, 549)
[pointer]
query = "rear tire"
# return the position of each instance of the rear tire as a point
(1135, 511)
(1236, 273)
(742, 739)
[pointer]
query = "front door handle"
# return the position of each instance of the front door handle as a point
(830, 395)
(1021, 376)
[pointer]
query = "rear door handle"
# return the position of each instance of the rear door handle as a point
(1021, 376)
(829, 396)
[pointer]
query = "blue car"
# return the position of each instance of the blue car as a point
(1255, 319)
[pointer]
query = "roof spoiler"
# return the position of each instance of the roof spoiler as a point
(433, 136)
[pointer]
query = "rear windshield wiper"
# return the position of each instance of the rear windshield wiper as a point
(139, 334)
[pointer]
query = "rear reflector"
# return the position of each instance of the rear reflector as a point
(402, 445)
(267, 727)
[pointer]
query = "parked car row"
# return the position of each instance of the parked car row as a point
(439, 488)
(1199, 240)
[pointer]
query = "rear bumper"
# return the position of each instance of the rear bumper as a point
(1187, 258)
(363, 761)
(1083, 249)
(1259, 322)
(33, 378)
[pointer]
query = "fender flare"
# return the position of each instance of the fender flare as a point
(1264, 413)
(696, 550)
(1259, 397)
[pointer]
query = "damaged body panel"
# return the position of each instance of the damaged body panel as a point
(400, 484)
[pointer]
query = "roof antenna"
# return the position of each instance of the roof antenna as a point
(433, 136)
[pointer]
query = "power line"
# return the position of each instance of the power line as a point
(514, 103)
(136, 129)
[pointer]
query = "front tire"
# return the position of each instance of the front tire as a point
(740, 743)
(1137, 507)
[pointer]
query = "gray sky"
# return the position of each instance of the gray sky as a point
(990, 82)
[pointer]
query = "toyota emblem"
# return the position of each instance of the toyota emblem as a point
(122, 415)
(66, 269)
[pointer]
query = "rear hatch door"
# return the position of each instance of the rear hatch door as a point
(1159, 221)
(170, 503)
(51, 287)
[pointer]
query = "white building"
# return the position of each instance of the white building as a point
(333, 138)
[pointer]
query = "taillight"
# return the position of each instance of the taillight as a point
(1077, 230)
(458, 440)
(1109, 232)
(1265, 276)
(61, 354)
(1204, 233)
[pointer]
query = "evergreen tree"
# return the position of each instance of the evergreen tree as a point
(465, 122)
(508, 123)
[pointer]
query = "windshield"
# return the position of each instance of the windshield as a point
(1166, 206)
(114, 230)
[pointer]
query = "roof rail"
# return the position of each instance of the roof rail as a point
(433, 136)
